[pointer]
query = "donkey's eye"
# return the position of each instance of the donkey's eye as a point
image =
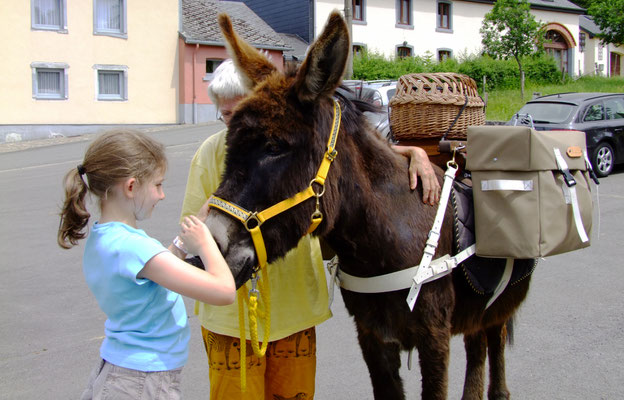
(275, 147)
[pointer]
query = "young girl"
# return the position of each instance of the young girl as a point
(134, 278)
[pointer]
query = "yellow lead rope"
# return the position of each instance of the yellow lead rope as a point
(253, 314)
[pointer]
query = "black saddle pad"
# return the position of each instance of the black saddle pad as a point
(483, 274)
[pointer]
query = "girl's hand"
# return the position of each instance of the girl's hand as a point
(195, 234)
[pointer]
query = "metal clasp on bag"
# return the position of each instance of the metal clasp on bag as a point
(568, 178)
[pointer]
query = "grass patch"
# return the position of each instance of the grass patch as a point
(503, 103)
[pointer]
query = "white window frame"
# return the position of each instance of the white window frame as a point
(61, 68)
(122, 71)
(122, 32)
(62, 25)
(439, 27)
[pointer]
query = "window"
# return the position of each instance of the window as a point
(358, 10)
(615, 108)
(444, 54)
(111, 82)
(404, 51)
(595, 112)
(404, 12)
(444, 21)
(211, 66)
(358, 49)
(109, 17)
(49, 81)
(49, 15)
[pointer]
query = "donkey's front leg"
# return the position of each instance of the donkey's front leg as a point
(476, 351)
(433, 352)
(383, 361)
(496, 338)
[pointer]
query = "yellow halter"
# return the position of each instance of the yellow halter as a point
(252, 222)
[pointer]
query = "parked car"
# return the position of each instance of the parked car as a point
(385, 88)
(361, 90)
(599, 115)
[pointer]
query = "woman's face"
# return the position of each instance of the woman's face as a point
(227, 109)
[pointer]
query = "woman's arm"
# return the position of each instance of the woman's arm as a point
(215, 285)
(419, 165)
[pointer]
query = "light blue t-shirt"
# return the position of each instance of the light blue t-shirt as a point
(147, 326)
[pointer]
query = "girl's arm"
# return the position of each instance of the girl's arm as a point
(215, 285)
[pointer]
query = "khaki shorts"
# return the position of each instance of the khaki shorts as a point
(110, 381)
(287, 371)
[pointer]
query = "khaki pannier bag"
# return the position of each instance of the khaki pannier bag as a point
(531, 191)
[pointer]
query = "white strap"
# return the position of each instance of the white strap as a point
(398, 280)
(571, 190)
(434, 233)
(591, 170)
(332, 267)
(502, 284)
(507, 184)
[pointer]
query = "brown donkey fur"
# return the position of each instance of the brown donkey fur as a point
(372, 220)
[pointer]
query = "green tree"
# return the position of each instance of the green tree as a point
(510, 30)
(609, 16)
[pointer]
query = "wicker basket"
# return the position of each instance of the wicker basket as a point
(425, 106)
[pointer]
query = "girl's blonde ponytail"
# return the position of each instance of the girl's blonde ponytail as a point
(74, 214)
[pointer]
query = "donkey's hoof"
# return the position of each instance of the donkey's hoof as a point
(499, 396)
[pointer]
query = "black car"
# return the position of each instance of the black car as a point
(599, 115)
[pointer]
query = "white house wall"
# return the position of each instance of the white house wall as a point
(380, 35)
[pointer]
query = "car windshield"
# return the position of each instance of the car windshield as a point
(548, 113)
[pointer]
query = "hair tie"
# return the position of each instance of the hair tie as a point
(81, 169)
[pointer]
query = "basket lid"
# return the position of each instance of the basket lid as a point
(437, 88)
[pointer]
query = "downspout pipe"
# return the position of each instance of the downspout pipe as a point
(195, 84)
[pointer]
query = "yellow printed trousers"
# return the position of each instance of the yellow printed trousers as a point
(287, 371)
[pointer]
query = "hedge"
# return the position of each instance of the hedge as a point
(500, 74)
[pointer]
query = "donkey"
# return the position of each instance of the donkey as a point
(371, 219)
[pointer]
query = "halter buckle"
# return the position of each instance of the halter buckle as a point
(252, 217)
(331, 155)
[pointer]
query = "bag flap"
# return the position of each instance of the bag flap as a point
(520, 148)
(568, 142)
(498, 148)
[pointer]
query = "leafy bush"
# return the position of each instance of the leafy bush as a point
(500, 74)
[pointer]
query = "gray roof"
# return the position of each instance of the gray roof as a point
(551, 5)
(199, 24)
(587, 24)
(299, 46)
(557, 4)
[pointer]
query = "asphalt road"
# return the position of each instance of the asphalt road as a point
(569, 341)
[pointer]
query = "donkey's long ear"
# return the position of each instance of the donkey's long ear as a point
(321, 72)
(253, 65)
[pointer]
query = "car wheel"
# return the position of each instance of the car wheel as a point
(603, 159)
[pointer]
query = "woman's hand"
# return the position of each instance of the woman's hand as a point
(419, 165)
